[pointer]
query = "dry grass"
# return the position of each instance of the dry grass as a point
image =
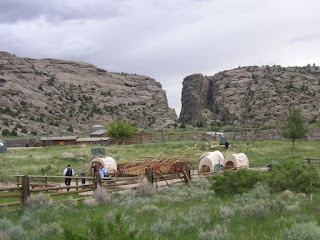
(145, 188)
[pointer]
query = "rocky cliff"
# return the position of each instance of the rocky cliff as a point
(251, 96)
(37, 95)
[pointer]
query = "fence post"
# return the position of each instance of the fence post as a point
(46, 181)
(17, 180)
(186, 174)
(77, 183)
(149, 174)
(245, 134)
(308, 161)
(25, 190)
(94, 181)
(270, 165)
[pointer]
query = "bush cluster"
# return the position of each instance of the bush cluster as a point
(100, 228)
(290, 175)
(232, 183)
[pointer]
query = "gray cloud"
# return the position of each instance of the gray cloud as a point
(164, 39)
(59, 10)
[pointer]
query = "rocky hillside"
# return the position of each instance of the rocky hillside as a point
(251, 96)
(37, 95)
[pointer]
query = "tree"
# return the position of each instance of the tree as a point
(5, 132)
(121, 130)
(33, 132)
(294, 127)
(13, 133)
(70, 128)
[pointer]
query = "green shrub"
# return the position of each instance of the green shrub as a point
(6, 122)
(46, 231)
(5, 132)
(289, 175)
(217, 233)
(294, 176)
(145, 188)
(238, 182)
(149, 209)
(70, 128)
(255, 202)
(102, 196)
(38, 201)
(13, 133)
(102, 229)
(300, 231)
(33, 132)
(10, 231)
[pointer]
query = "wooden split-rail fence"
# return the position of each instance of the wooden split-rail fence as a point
(25, 187)
(313, 161)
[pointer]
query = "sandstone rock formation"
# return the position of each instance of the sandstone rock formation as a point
(37, 95)
(251, 96)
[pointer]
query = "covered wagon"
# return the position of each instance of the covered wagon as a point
(211, 161)
(236, 161)
(108, 163)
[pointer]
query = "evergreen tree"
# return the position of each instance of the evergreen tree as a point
(70, 128)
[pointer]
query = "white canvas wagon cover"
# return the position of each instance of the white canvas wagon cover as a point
(239, 160)
(108, 163)
(209, 161)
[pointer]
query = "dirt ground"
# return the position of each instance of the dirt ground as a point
(21, 148)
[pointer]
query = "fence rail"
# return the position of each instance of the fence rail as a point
(313, 161)
(25, 188)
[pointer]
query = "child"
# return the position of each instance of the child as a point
(83, 179)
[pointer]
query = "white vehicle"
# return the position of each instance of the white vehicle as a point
(1, 143)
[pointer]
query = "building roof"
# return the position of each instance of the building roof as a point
(99, 132)
(65, 138)
(97, 126)
(96, 139)
(214, 133)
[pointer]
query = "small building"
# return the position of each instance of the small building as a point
(99, 133)
(58, 141)
(96, 128)
(93, 141)
(137, 138)
(217, 135)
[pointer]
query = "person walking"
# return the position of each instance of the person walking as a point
(94, 169)
(68, 172)
(95, 173)
(83, 174)
(226, 144)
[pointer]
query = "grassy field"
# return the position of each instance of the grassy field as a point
(49, 160)
(178, 212)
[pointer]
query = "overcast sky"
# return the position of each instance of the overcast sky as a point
(164, 39)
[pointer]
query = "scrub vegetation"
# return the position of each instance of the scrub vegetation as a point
(283, 204)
